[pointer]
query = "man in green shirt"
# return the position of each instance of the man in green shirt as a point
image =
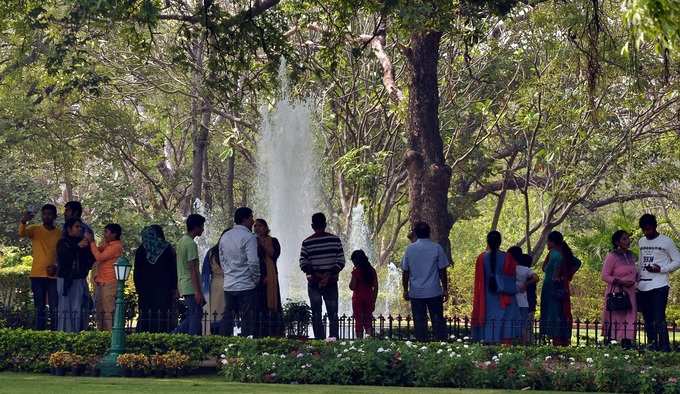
(188, 277)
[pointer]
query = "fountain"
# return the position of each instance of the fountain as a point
(287, 182)
(392, 287)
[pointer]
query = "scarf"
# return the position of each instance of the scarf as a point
(479, 294)
(271, 282)
(154, 245)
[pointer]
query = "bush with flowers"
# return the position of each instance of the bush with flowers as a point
(456, 364)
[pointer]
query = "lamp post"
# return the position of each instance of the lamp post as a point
(109, 364)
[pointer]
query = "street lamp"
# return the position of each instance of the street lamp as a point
(109, 364)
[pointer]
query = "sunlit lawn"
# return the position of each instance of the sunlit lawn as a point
(17, 383)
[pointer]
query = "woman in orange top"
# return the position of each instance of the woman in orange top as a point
(105, 278)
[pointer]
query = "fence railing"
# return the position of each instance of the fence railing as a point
(582, 332)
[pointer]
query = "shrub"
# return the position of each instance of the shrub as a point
(133, 361)
(61, 359)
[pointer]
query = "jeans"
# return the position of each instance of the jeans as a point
(191, 324)
(317, 296)
(45, 293)
(243, 303)
(419, 309)
(652, 304)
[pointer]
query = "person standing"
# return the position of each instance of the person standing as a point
(559, 266)
(526, 294)
(241, 267)
(155, 277)
(188, 277)
(105, 278)
(425, 282)
(44, 238)
(619, 271)
(212, 280)
(74, 261)
(321, 259)
(658, 258)
(74, 210)
(364, 286)
(270, 310)
(495, 312)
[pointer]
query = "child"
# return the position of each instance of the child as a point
(364, 285)
(526, 286)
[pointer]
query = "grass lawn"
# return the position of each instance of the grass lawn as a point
(17, 383)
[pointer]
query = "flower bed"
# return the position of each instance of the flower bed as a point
(458, 365)
(368, 362)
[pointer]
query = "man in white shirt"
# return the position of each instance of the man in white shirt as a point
(241, 266)
(658, 258)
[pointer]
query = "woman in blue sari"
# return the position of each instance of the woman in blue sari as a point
(495, 314)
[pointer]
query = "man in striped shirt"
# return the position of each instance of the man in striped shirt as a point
(322, 259)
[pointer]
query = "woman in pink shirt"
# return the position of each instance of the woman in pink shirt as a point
(105, 278)
(620, 273)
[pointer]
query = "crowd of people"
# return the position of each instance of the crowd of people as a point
(239, 275)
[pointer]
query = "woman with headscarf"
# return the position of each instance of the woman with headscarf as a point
(270, 311)
(74, 262)
(155, 277)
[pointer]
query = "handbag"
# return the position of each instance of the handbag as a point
(618, 301)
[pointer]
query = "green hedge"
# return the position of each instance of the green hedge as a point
(28, 351)
(458, 365)
(374, 362)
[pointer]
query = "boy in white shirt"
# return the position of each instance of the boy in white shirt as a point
(658, 258)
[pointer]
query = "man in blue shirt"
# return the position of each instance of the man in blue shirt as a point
(425, 282)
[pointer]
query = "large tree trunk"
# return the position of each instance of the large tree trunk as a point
(428, 175)
(201, 112)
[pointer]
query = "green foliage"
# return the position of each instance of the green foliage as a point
(657, 21)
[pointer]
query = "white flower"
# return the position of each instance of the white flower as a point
(547, 358)
(606, 355)
(423, 348)
(459, 340)
(231, 345)
(381, 350)
(265, 354)
(250, 337)
(300, 355)
(224, 362)
(613, 342)
(571, 359)
(442, 343)
(589, 360)
(495, 359)
(466, 338)
(452, 337)
(343, 343)
(409, 343)
(283, 356)
(223, 356)
(458, 355)
(487, 363)
(331, 339)
(339, 355)
(626, 357)
(440, 351)
(466, 346)
(345, 351)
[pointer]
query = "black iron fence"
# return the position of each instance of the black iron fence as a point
(581, 332)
